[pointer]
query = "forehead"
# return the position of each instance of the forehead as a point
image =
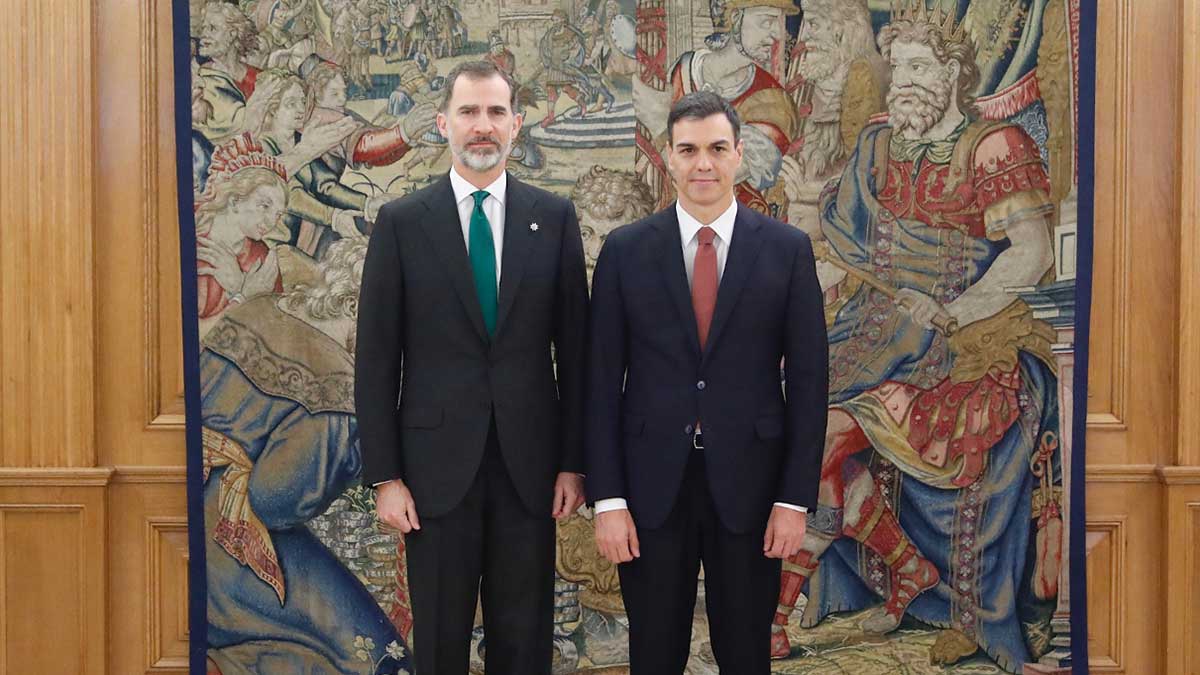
(757, 13)
(483, 92)
(911, 51)
(706, 131)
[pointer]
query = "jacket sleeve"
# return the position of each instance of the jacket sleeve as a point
(806, 383)
(570, 341)
(607, 360)
(380, 353)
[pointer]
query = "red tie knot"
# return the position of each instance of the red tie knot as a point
(706, 235)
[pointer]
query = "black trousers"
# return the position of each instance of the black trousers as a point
(490, 544)
(741, 588)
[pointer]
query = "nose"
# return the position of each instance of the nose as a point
(704, 162)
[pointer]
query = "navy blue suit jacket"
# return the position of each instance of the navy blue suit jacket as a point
(649, 382)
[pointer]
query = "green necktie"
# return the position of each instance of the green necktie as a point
(483, 261)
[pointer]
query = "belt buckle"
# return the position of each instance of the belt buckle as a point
(698, 440)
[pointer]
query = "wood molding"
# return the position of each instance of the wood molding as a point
(166, 594)
(148, 580)
(150, 474)
(163, 370)
(44, 478)
(1109, 363)
(1188, 447)
(47, 161)
(1106, 592)
(1182, 606)
(1122, 473)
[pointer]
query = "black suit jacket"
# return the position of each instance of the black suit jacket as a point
(421, 341)
(649, 382)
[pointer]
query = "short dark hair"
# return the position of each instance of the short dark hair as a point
(700, 105)
(478, 70)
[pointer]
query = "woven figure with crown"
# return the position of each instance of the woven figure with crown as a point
(942, 387)
(243, 200)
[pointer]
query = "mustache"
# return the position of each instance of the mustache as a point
(921, 93)
(482, 139)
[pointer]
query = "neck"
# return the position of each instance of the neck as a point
(705, 215)
(284, 138)
(230, 64)
(479, 179)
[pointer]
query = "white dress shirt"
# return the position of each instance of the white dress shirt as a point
(689, 228)
(493, 208)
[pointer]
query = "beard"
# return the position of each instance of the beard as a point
(820, 62)
(916, 108)
(760, 54)
(479, 160)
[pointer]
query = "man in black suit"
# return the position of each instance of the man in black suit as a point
(696, 452)
(468, 285)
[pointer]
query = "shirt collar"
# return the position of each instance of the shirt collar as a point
(689, 226)
(464, 189)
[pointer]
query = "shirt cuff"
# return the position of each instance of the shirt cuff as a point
(611, 504)
(793, 507)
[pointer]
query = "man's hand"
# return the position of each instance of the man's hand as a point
(923, 308)
(568, 495)
(394, 506)
(344, 224)
(616, 536)
(418, 120)
(785, 531)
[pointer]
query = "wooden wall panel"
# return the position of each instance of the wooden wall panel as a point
(46, 293)
(1132, 367)
(91, 372)
(52, 578)
(141, 415)
(148, 574)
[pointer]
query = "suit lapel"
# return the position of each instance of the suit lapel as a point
(518, 237)
(444, 230)
(743, 250)
(669, 258)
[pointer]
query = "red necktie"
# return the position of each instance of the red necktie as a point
(704, 282)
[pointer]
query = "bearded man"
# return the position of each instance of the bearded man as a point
(841, 82)
(941, 383)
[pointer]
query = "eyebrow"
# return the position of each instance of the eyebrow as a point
(684, 144)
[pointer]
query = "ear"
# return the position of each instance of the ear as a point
(955, 69)
(518, 120)
(441, 124)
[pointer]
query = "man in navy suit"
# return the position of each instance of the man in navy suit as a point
(695, 452)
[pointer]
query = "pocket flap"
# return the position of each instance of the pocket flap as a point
(421, 418)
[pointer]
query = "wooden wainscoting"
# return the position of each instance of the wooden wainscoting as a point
(93, 540)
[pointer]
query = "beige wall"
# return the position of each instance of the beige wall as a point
(93, 538)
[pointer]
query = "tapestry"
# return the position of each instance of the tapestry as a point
(939, 154)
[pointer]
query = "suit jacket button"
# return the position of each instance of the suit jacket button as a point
(687, 430)
(700, 385)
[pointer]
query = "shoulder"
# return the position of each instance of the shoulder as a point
(406, 205)
(632, 236)
(1003, 145)
(780, 233)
